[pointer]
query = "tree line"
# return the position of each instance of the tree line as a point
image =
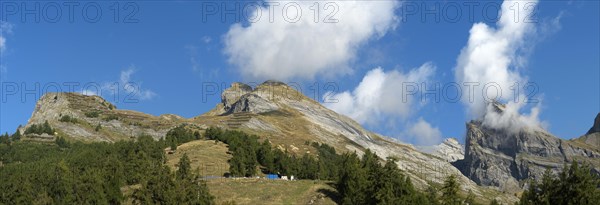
(248, 154)
(95, 173)
(575, 184)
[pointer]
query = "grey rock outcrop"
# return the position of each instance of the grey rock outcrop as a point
(596, 127)
(501, 159)
(242, 98)
(254, 103)
(115, 124)
(450, 150)
(232, 94)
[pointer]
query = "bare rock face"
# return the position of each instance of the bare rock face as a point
(95, 119)
(254, 103)
(596, 127)
(242, 98)
(231, 95)
(450, 150)
(501, 159)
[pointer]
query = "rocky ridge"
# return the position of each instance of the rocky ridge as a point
(596, 127)
(502, 159)
(86, 113)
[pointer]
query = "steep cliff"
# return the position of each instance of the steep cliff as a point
(505, 159)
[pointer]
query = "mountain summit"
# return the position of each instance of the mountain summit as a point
(505, 159)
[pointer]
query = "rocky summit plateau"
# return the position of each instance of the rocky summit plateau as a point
(492, 164)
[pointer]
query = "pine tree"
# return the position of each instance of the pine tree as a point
(17, 135)
(353, 181)
(450, 191)
(62, 189)
(160, 188)
(370, 163)
(265, 156)
(387, 187)
(194, 191)
(432, 195)
(184, 171)
(173, 145)
(47, 128)
(574, 185)
(197, 135)
(236, 165)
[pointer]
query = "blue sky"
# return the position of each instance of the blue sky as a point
(170, 51)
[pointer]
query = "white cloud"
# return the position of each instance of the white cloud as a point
(2, 43)
(283, 50)
(89, 92)
(423, 134)
(380, 95)
(5, 28)
(193, 52)
(125, 89)
(134, 88)
(496, 55)
(206, 39)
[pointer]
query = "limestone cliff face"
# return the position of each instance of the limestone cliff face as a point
(450, 149)
(89, 112)
(231, 95)
(504, 159)
(596, 127)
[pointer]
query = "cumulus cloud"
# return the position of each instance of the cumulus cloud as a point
(282, 50)
(132, 87)
(494, 56)
(127, 89)
(424, 134)
(2, 43)
(380, 95)
(5, 28)
(89, 92)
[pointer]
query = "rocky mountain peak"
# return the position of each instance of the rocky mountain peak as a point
(504, 159)
(92, 118)
(498, 106)
(233, 94)
(273, 83)
(269, 96)
(596, 127)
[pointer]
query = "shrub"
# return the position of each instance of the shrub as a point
(92, 114)
(111, 117)
(68, 118)
(40, 129)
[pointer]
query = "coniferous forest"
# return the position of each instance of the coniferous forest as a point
(66, 172)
